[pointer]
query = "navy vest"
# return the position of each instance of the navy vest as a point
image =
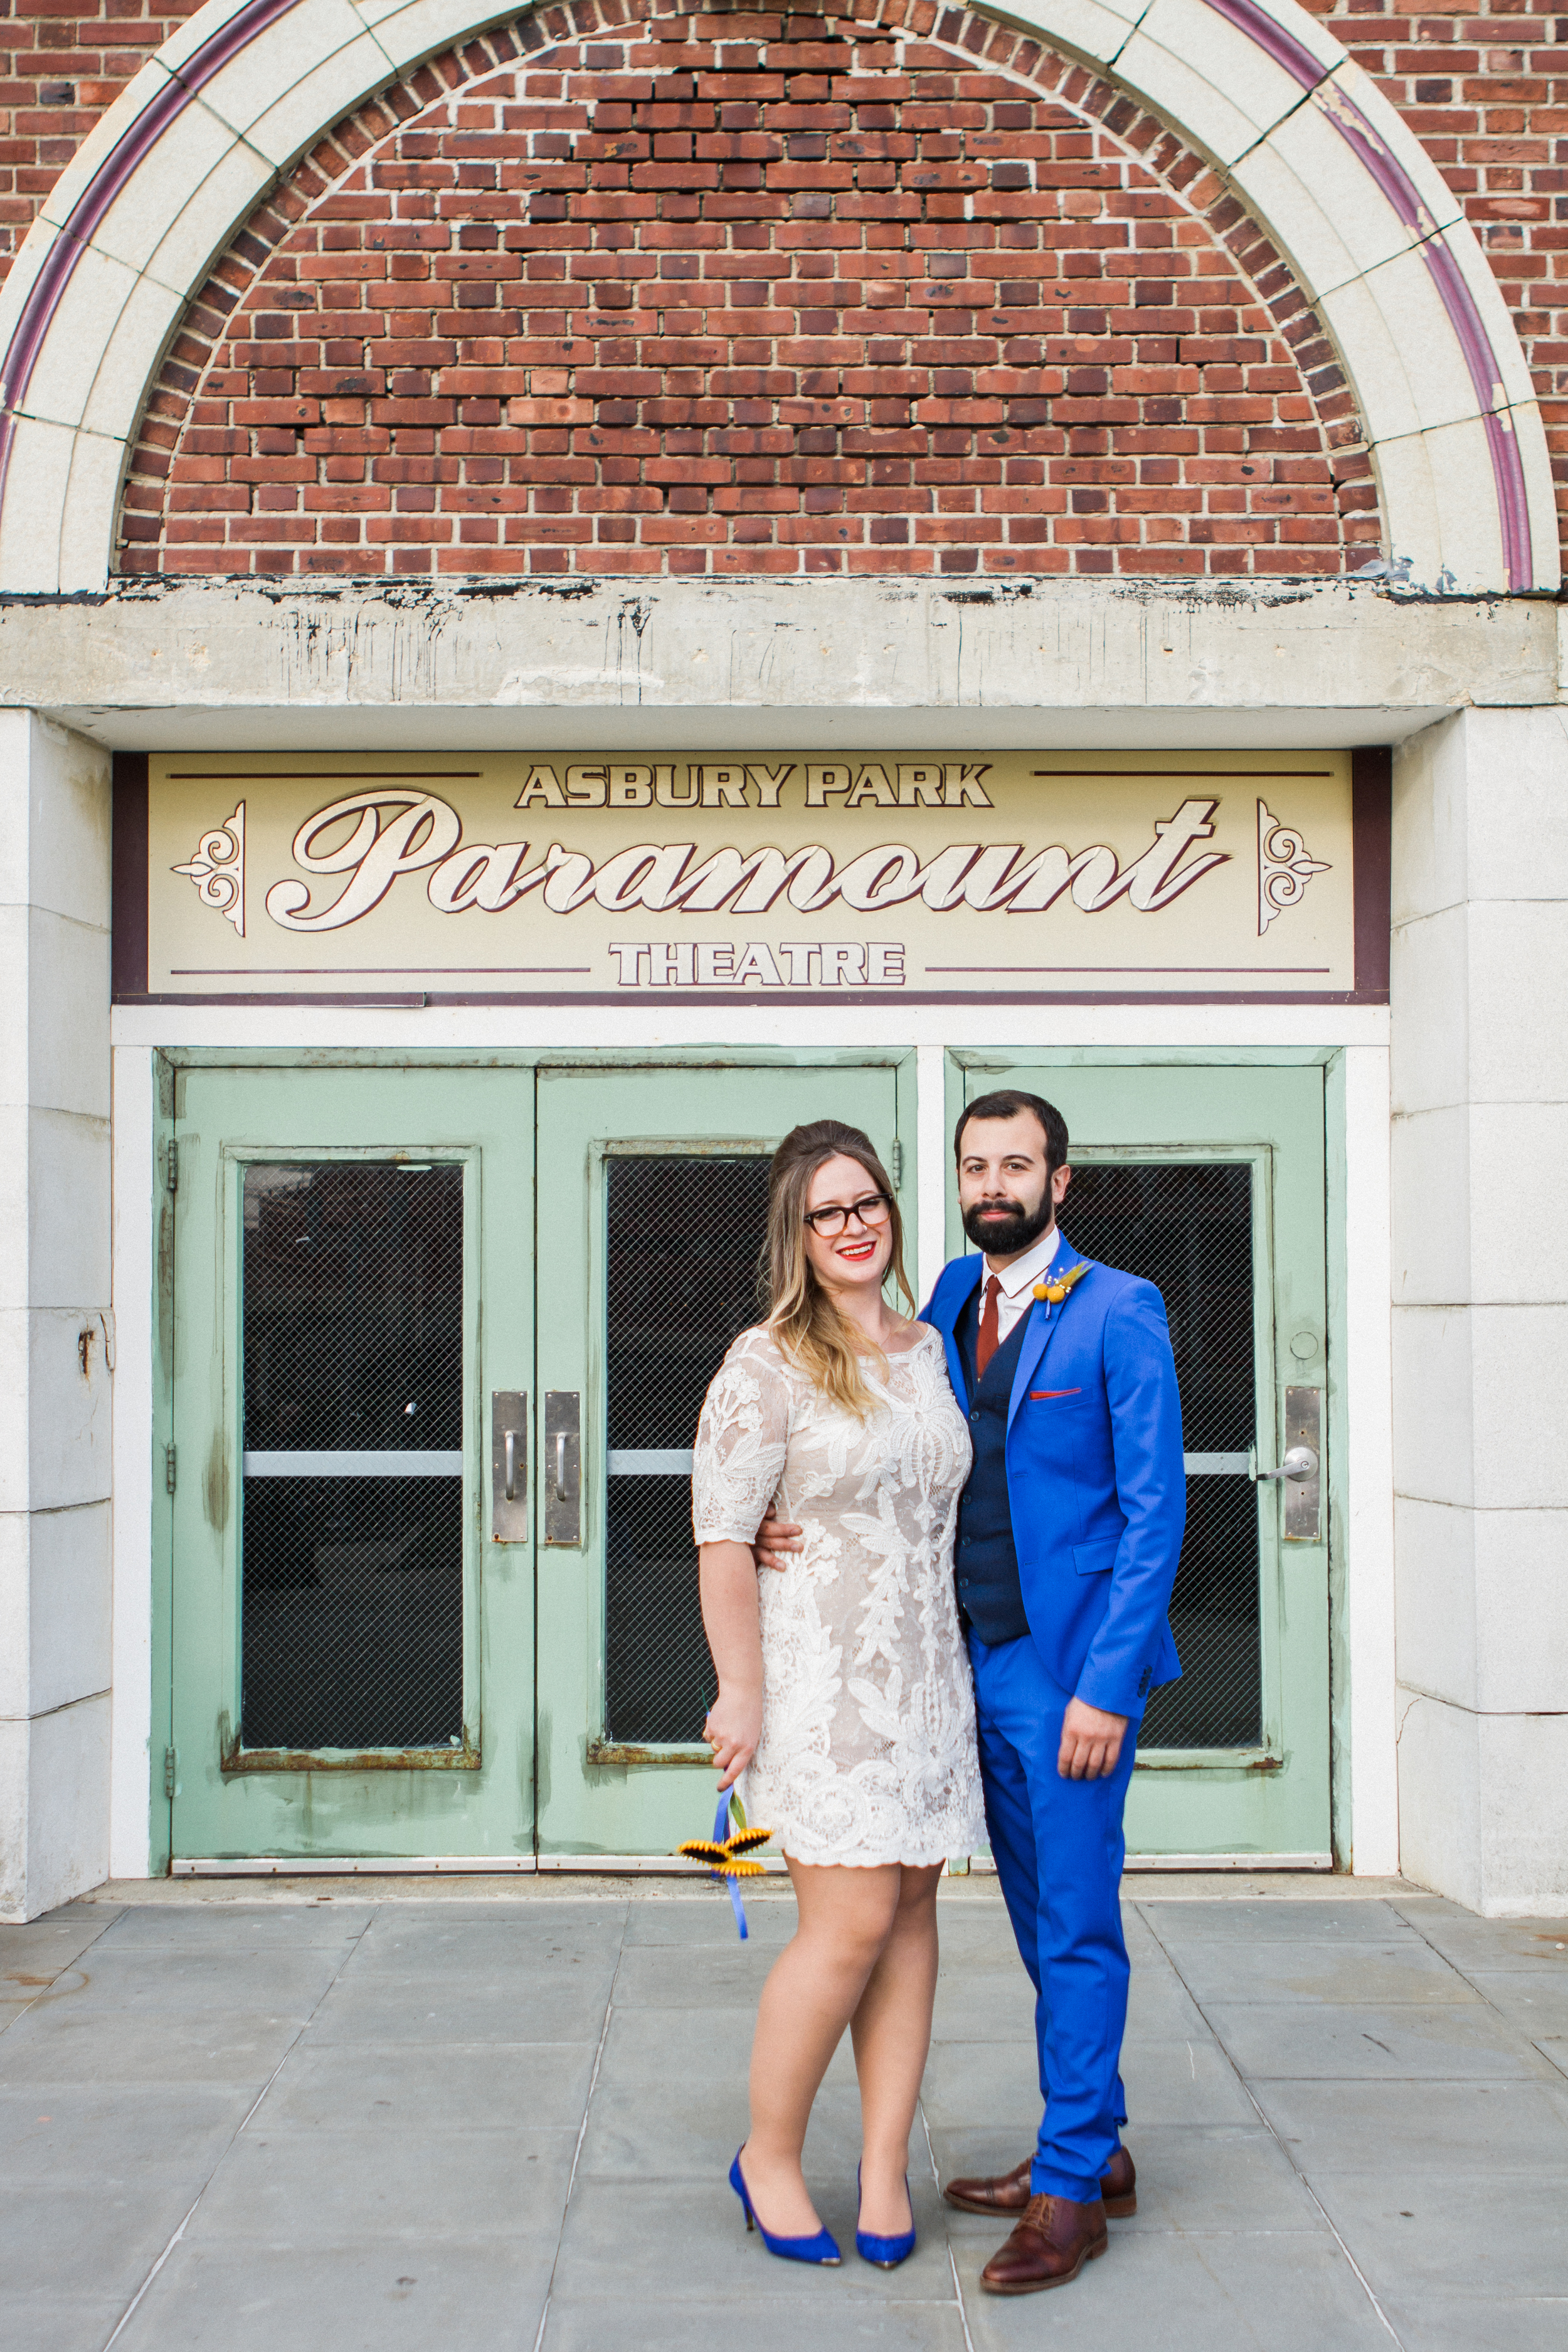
(986, 1562)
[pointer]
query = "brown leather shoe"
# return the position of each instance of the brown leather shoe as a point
(1009, 2192)
(1048, 2246)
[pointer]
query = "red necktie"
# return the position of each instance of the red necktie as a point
(986, 1345)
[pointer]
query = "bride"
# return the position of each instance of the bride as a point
(843, 1691)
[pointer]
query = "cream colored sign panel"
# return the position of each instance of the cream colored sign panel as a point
(514, 876)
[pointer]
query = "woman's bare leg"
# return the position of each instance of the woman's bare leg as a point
(891, 2030)
(812, 1991)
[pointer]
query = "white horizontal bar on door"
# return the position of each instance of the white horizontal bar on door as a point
(383, 1865)
(674, 1462)
(347, 1464)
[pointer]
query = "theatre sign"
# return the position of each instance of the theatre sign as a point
(489, 878)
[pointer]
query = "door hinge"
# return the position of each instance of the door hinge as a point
(172, 1166)
(169, 1466)
(170, 1758)
(896, 1162)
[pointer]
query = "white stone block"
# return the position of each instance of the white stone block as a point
(1518, 1002)
(143, 220)
(1408, 498)
(1440, 1797)
(1519, 1410)
(1521, 1611)
(1518, 1236)
(71, 1576)
(30, 518)
(1429, 1061)
(89, 302)
(298, 77)
(67, 836)
(90, 512)
(13, 1758)
(68, 1805)
(1511, 784)
(14, 1433)
(16, 1647)
(68, 1026)
(1434, 1437)
(1197, 68)
(1435, 1599)
(1524, 1821)
(1429, 1170)
(69, 1409)
(68, 1211)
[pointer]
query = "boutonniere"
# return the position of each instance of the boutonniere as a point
(727, 1856)
(1055, 1292)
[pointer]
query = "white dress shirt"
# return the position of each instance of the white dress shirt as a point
(1018, 1281)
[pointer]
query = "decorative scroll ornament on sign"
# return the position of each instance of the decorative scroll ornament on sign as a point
(217, 869)
(1284, 868)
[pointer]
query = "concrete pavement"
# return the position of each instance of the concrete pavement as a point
(317, 2116)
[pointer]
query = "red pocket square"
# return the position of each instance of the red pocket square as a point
(1038, 1396)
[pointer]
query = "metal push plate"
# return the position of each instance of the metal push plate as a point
(509, 1465)
(1304, 1497)
(562, 1470)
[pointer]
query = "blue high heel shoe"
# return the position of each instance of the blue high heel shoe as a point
(821, 2249)
(886, 2252)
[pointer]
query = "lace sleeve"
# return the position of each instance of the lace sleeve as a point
(741, 1440)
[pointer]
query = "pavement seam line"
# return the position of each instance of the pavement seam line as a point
(952, 2260)
(129, 2311)
(1506, 2023)
(1361, 2279)
(582, 2134)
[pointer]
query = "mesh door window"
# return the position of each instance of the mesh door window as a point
(684, 1243)
(351, 1558)
(1186, 1227)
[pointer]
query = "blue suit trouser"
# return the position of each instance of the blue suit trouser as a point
(1058, 1850)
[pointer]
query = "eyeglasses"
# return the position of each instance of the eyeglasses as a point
(873, 1209)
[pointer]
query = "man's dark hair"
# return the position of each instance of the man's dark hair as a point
(1006, 1103)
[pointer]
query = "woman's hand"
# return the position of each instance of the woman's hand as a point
(732, 1727)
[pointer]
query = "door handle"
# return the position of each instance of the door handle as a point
(563, 1443)
(1299, 1461)
(1299, 1476)
(508, 1466)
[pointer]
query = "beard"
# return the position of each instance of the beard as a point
(1004, 1234)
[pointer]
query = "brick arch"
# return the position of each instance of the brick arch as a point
(626, 289)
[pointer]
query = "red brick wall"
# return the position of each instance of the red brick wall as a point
(1485, 89)
(737, 294)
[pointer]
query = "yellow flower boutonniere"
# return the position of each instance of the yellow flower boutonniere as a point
(1057, 1291)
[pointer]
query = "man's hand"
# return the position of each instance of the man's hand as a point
(1091, 1742)
(732, 1728)
(777, 1542)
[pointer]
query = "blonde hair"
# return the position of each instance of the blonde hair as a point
(802, 1316)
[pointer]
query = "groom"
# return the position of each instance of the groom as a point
(1069, 1534)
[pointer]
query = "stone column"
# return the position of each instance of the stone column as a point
(1480, 985)
(56, 1320)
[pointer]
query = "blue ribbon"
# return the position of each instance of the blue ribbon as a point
(731, 1885)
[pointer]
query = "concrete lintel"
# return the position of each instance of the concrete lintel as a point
(693, 661)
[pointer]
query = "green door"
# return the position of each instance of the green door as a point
(352, 1610)
(651, 1201)
(1209, 1181)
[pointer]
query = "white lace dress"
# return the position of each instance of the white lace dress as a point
(867, 1750)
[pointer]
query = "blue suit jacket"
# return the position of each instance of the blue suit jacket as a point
(1095, 1477)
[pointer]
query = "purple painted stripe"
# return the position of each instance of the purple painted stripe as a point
(129, 151)
(1389, 175)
